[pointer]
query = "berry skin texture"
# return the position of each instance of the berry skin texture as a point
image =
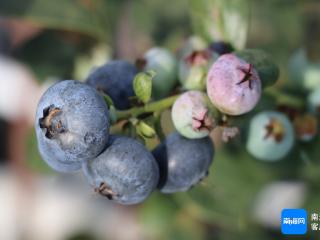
(271, 136)
(115, 79)
(72, 125)
(125, 172)
(191, 115)
(164, 64)
(183, 162)
(193, 69)
(233, 85)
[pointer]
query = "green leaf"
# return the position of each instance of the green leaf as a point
(263, 63)
(107, 99)
(145, 130)
(142, 85)
(221, 20)
(80, 16)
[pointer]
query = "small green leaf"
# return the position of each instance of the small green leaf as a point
(108, 100)
(142, 85)
(263, 63)
(145, 130)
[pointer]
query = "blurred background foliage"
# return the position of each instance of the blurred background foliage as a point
(75, 35)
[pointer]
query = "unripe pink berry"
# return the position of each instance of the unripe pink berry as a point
(191, 115)
(233, 85)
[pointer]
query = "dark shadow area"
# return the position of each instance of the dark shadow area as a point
(3, 140)
(160, 154)
(16, 7)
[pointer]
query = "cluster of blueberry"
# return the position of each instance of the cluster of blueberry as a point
(73, 119)
(73, 132)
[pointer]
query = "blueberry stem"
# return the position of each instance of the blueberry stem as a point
(151, 107)
(285, 98)
(158, 127)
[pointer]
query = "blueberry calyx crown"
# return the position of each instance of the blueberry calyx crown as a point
(247, 75)
(198, 57)
(275, 129)
(202, 121)
(106, 191)
(50, 121)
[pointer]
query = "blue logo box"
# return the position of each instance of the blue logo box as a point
(294, 221)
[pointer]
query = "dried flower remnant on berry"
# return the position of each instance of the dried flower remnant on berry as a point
(106, 191)
(247, 75)
(275, 129)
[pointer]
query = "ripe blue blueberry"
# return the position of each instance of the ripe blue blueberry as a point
(221, 47)
(72, 125)
(115, 79)
(125, 171)
(271, 136)
(182, 162)
(191, 115)
(164, 64)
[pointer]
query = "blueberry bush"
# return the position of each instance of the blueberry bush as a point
(192, 128)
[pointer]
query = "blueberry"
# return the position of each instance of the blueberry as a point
(263, 63)
(271, 136)
(125, 171)
(193, 69)
(164, 64)
(304, 72)
(182, 162)
(233, 85)
(191, 115)
(221, 47)
(115, 79)
(72, 125)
